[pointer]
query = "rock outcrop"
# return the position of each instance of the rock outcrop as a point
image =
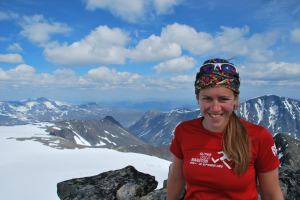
(289, 172)
(122, 184)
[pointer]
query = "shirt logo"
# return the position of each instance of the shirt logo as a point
(207, 160)
(222, 158)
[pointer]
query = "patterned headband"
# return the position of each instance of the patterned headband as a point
(217, 73)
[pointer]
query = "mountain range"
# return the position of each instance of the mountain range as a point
(45, 110)
(278, 114)
(94, 125)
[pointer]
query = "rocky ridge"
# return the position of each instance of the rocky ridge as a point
(122, 184)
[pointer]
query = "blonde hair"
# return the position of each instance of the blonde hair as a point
(236, 144)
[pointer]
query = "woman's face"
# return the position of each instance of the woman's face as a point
(217, 105)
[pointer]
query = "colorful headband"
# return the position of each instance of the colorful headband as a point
(217, 73)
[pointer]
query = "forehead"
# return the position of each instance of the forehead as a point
(216, 91)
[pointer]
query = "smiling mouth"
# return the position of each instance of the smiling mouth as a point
(215, 115)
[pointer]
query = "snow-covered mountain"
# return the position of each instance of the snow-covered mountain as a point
(106, 132)
(156, 127)
(33, 169)
(278, 114)
(44, 110)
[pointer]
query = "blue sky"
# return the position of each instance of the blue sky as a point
(114, 50)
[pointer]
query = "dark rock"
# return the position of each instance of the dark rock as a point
(289, 172)
(290, 183)
(160, 194)
(123, 184)
(288, 150)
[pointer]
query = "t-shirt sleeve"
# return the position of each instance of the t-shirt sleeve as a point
(175, 146)
(267, 158)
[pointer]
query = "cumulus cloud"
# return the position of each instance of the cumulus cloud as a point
(133, 11)
(229, 41)
(39, 30)
(295, 35)
(26, 75)
(112, 76)
(188, 38)
(188, 79)
(15, 47)
(103, 45)
(165, 6)
(130, 11)
(272, 71)
(8, 15)
(180, 64)
(3, 39)
(101, 77)
(235, 41)
(154, 48)
(11, 58)
(22, 72)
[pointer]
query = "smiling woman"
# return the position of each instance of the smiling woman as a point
(220, 156)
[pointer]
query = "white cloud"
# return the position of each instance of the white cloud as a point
(3, 38)
(130, 11)
(165, 6)
(8, 15)
(273, 71)
(101, 77)
(102, 46)
(154, 48)
(188, 38)
(11, 58)
(112, 76)
(183, 79)
(15, 47)
(295, 35)
(229, 42)
(234, 42)
(180, 64)
(22, 72)
(39, 30)
(133, 11)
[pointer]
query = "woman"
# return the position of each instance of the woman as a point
(220, 156)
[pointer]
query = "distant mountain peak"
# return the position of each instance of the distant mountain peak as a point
(42, 99)
(181, 110)
(111, 119)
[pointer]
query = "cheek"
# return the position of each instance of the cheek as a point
(229, 107)
(203, 107)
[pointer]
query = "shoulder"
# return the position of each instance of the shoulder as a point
(187, 126)
(189, 123)
(255, 130)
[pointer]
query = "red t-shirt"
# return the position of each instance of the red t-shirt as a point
(208, 171)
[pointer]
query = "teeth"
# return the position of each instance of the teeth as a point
(215, 115)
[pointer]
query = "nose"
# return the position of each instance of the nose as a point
(215, 107)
